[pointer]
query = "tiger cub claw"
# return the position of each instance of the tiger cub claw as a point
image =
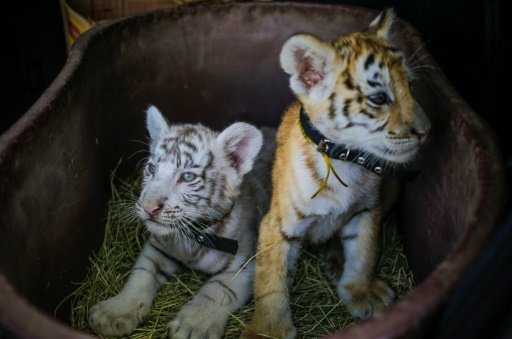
(365, 301)
(117, 316)
(194, 323)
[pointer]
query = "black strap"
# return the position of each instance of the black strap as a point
(365, 159)
(213, 241)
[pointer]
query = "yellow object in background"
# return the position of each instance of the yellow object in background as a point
(74, 23)
(80, 15)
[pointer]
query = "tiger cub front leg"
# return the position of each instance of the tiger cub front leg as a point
(121, 314)
(363, 293)
(206, 315)
(276, 256)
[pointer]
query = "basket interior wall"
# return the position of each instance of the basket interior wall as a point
(216, 67)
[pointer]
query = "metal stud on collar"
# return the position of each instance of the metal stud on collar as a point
(360, 160)
(323, 147)
(344, 156)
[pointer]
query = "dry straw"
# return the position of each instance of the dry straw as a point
(316, 308)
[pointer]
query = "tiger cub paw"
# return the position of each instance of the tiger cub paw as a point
(258, 330)
(196, 323)
(363, 301)
(118, 315)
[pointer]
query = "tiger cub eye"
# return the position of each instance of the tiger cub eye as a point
(188, 176)
(151, 169)
(379, 98)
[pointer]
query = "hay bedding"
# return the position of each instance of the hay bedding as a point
(316, 308)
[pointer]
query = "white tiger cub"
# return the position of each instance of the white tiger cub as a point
(202, 211)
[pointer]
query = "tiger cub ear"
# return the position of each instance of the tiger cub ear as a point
(240, 143)
(381, 25)
(156, 124)
(313, 65)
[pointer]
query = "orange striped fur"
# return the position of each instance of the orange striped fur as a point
(356, 92)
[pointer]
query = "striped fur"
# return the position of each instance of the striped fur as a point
(356, 92)
(192, 179)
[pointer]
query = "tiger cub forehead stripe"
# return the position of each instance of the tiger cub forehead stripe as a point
(350, 83)
(181, 147)
(369, 61)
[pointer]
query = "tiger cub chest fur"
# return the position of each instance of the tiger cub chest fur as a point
(301, 170)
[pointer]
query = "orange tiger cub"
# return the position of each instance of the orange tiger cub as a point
(340, 148)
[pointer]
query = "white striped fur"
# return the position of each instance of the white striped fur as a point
(194, 173)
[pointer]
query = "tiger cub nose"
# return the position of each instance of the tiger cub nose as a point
(153, 210)
(420, 133)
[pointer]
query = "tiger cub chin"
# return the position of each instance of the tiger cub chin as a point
(202, 199)
(353, 92)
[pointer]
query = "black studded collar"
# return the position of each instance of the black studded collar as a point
(371, 162)
(213, 240)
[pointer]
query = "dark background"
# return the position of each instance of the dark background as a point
(465, 37)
